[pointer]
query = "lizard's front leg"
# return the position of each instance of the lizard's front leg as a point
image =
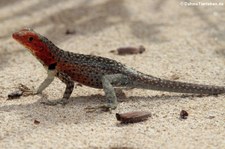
(69, 89)
(44, 84)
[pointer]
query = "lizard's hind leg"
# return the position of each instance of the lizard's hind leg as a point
(108, 84)
(108, 81)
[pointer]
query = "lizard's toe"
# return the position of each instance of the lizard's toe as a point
(49, 103)
(27, 91)
(105, 108)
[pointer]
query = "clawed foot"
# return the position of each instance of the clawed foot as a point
(26, 91)
(104, 108)
(54, 103)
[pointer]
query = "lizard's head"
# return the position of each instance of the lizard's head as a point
(36, 43)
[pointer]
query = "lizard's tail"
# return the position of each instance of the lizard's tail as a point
(141, 80)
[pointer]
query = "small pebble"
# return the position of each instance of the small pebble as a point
(175, 77)
(36, 122)
(133, 117)
(15, 94)
(70, 32)
(211, 117)
(183, 114)
(129, 50)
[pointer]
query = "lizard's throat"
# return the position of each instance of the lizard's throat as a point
(36, 56)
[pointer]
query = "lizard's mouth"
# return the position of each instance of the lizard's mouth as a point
(15, 36)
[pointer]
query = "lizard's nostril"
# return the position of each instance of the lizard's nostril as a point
(16, 35)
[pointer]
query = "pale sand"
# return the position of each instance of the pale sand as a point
(185, 41)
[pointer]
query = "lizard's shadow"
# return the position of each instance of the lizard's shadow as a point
(101, 99)
(74, 111)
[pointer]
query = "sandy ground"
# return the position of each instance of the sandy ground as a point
(183, 41)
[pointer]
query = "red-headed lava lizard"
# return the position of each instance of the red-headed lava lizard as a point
(97, 72)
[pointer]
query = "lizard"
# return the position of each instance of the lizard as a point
(97, 72)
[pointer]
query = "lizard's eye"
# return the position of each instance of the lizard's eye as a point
(30, 39)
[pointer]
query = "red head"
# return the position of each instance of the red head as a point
(36, 43)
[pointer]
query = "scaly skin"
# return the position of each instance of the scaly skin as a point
(97, 72)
